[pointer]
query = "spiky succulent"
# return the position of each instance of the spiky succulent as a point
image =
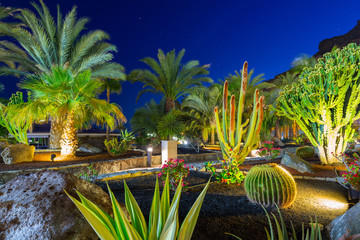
(232, 131)
(305, 152)
(270, 184)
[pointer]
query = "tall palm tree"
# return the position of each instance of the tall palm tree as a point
(169, 77)
(203, 101)
(111, 86)
(62, 93)
(42, 42)
(6, 12)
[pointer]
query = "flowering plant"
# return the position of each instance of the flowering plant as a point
(268, 151)
(230, 173)
(176, 169)
(353, 170)
(302, 140)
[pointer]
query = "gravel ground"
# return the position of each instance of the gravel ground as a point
(226, 208)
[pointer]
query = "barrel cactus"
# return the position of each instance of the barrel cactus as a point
(305, 152)
(270, 184)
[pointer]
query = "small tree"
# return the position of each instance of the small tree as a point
(324, 103)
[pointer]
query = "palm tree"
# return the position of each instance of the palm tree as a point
(203, 101)
(169, 77)
(43, 42)
(6, 12)
(111, 86)
(62, 93)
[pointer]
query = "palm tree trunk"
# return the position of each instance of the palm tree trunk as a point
(212, 136)
(169, 105)
(277, 129)
(56, 130)
(108, 100)
(68, 139)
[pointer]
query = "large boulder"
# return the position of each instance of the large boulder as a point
(89, 149)
(293, 161)
(35, 206)
(277, 142)
(18, 153)
(346, 224)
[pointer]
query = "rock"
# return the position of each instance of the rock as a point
(254, 153)
(18, 153)
(35, 206)
(293, 161)
(288, 149)
(89, 149)
(3, 144)
(277, 142)
(349, 220)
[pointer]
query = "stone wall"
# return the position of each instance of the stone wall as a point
(112, 166)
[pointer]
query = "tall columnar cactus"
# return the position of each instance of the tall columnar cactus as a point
(324, 103)
(270, 184)
(8, 115)
(231, 130)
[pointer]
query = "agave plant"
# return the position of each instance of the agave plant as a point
(163, 218)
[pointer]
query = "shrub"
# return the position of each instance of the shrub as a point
(302, 140)
(270, 184)
(230, 173)
(268, 151)
(352, 176)
(163, 217)
(117, 147)
(90, 175)
(305, 152)
(176, 169)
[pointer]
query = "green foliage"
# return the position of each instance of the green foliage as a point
(10, 119)
(305, 152)
(90, 175)
(270, 184)
(231, 131)
(302, 140)
(163, 216)
(169, 77)
(117, 147)
(170, 125)
(43, 41)
(314, 233)
(177, 171)
(324, 102)
(230, 173)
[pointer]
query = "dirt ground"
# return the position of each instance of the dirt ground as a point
(227, 209)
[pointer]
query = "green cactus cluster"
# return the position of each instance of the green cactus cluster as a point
(305, 152)
(270, 184)
(231, 130)
(7, 115)
(324, 102)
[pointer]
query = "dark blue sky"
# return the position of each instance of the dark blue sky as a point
(267, 34)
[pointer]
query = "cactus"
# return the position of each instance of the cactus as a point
(7, 114)
(230, 136)
(324, 102)
(305, 152)
(270, 184)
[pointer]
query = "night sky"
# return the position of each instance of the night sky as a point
(267, 34)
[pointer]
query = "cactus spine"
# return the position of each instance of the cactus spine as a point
(231, 130)
(305, 152)
(324, 102)
(270, 184)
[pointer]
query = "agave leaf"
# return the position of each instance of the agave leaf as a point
(280, 232)
(124, 229)
(99, 227)
(155, 214)
(165, 200)
(173, 212)
(270, 225)
(170, 233)
(99, 212)
(233, 236)
(188, 225)
(137, 217)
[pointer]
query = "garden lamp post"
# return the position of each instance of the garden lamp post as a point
(149, 154)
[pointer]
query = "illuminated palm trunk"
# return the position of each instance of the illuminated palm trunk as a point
(169, 105)
(56, 130)
(68, 139)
